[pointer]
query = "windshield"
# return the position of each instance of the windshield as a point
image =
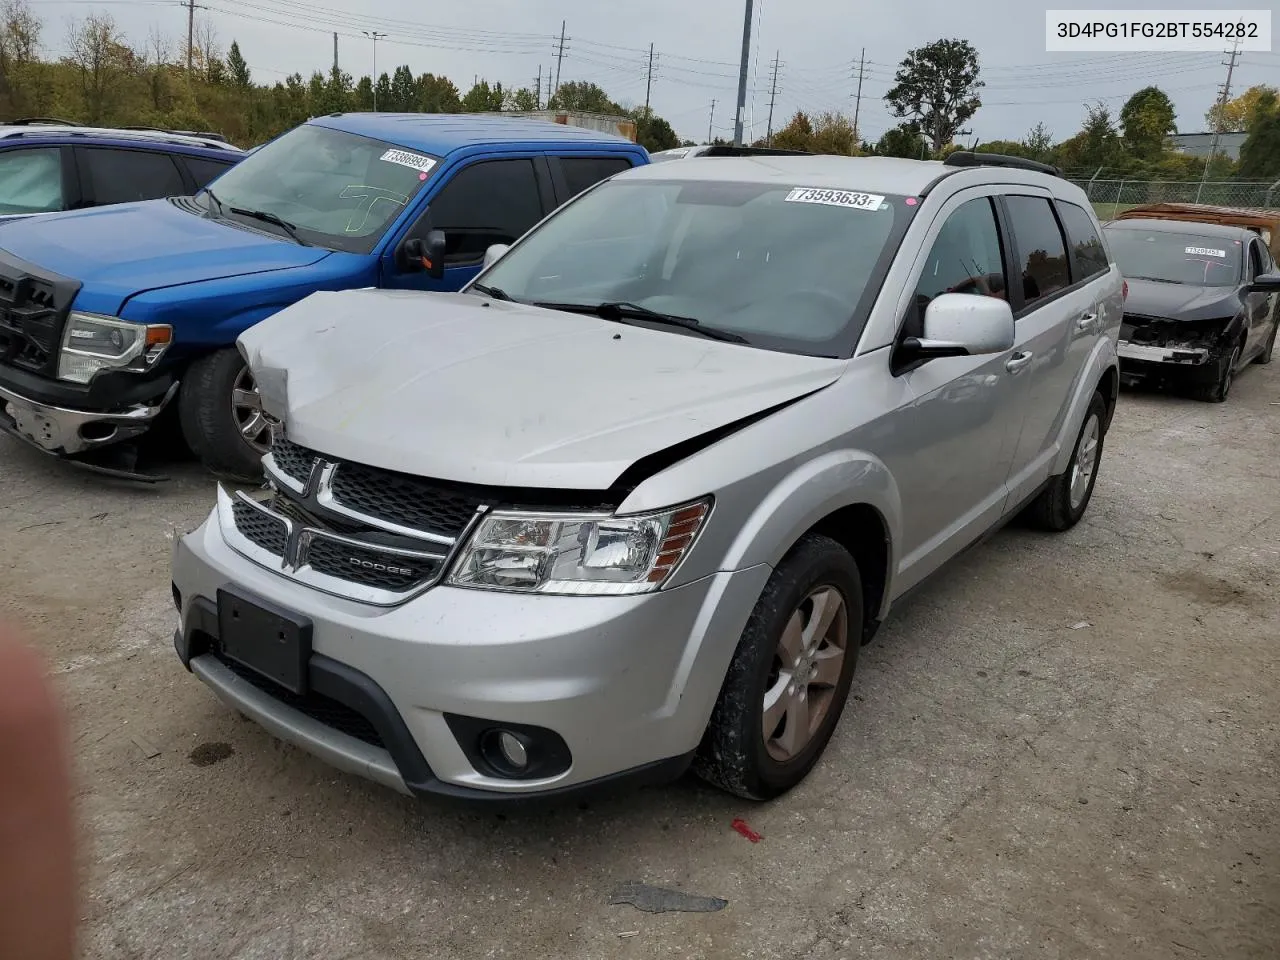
(1176, 257)
(779, 265)
(338, 190)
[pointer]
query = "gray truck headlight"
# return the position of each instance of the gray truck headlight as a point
(580, 554)
(92, 342)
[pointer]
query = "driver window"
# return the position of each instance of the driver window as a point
(965, 258)
(1256, 265)
(494, 201)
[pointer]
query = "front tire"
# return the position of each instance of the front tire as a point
(222, 418)
(1219, 391)
(1063, 502)
(789, 679)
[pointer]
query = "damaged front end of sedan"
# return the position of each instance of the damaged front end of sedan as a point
(1157, 349)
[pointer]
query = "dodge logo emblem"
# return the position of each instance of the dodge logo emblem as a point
(380, 567)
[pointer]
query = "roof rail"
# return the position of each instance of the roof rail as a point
(194, 134)
(970, 158)
(33, 121)
(727, 150)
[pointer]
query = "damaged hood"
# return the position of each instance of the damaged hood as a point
(1181, 301)
(459, 387)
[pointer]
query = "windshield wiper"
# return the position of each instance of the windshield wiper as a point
(267, 217)
(620, 311)
(1154, 279)
(496, 293)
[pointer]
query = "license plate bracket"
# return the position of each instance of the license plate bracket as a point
(266, 638)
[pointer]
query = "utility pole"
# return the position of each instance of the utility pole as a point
(191, 30)
(1222, 102)
(742, 76)
(648, 88)
(537, 90)
(857, 103)
(335, 51)
(375, 36)
(559, 61)
(712, 122)
(773, 98)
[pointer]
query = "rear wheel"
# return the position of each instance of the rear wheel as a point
(790, 676)
(222, 417)
(1063, 502)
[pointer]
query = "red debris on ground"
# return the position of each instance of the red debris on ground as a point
(741, 826)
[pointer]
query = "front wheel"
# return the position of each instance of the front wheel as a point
(1265, 355)
(790, 675)
(1063, 502)
(1219, 391)
(222, 417)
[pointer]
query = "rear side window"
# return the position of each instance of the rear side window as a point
(494, 201)
(1041, 248)
(204, 170)
(123, 176)
(1091, 256)
(31, 180)
(581, 173)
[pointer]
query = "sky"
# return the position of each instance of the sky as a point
(697, 46)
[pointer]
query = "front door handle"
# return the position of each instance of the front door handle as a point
(1087, 321)
(1018, 361)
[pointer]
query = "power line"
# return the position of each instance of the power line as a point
(857, 103)
(773, 99)
(1222, 103)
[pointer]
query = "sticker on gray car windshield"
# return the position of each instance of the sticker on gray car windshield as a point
(1206, 252)
(414, 161)
(835, 198)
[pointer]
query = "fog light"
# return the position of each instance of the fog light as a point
(513, 750)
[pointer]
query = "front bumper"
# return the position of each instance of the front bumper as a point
(1182, 363)
(65, 431)
(627, 684)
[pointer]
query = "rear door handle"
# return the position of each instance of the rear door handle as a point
(1086, 321)
(1018, 361)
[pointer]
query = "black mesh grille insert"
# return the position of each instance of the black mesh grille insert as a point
(335, 715)
(293, 460)
(263, 531)
(407, 501)
(369, 567)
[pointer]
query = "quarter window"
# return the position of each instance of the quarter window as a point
(31, 181)
(496, 201)
(1090, 254)
(581, 173)
(1040, 246)
(123, 176)
(1256, 265)
(204, 170)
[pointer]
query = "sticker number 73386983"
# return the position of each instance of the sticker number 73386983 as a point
(835, 198)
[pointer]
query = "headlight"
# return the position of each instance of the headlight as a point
(92, 343)
(578, 554)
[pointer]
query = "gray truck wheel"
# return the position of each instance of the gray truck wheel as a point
(789, 679)
(222, 417)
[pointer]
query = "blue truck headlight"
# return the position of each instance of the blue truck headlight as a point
(92, 342)
(578, 554)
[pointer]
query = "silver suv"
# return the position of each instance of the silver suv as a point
(635, 498)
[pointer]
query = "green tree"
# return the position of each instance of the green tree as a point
(796, 135)
(1096, 146)
(833, 134)
(936, 87)
(1147, 119)
(100, 59)
(1260, 153)
(237, 69)
(19, 45)
(653, 133)
(1010, 148)
(580, 97)
(524, 100)
(382, 93)
(364, 94)
(438, 95)
(1239, 114)
(903, 140)
(1038, 143)
(404, 92)
(483, 98)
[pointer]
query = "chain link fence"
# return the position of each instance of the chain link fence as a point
(1111, 197)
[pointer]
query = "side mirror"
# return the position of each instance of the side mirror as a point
(428, 254)
(494, 252)
(1265, 283)
(963, 325)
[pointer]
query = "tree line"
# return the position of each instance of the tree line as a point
(105, 79)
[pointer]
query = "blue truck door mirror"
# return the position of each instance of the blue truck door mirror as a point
(424, 254)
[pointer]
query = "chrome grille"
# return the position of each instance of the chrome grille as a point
(370, 566)
(261, 529)
(401, 500)
(294, 461)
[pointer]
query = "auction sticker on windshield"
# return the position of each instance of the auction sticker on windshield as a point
(414, 161)
(1206, 252)
(835, 198)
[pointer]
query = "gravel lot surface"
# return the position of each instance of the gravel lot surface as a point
(1063, 747)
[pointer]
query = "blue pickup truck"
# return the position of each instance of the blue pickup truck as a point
(111, 316)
